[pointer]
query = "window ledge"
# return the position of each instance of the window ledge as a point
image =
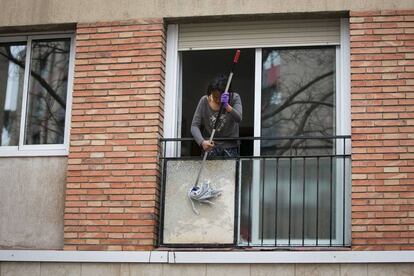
(33, 153)
(194, 257)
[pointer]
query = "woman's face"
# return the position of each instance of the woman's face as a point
(216, 95)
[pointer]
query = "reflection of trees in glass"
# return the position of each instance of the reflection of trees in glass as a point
(298, 89)
(45, 119)
(47, 94)
(11, 87)
(298, 99)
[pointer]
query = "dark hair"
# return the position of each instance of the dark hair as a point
(218, 83)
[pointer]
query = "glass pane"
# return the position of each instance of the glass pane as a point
(12, 62)
(292, 201)
(298, 88)
(290, 197)
(298, 96)
(246, 190)
(46, 106)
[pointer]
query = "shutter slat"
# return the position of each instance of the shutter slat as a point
(258, 34)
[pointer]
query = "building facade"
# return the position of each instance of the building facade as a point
(96, 101)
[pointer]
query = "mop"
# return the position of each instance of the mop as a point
(206, 192)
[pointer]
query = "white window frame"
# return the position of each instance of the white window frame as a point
(44, 149)
(343, 127)
(173, 95)
(172, 106)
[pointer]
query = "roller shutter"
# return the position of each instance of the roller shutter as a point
(248, 34)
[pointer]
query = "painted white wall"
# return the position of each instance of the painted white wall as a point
(29, 12)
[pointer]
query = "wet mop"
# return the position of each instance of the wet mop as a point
(207, 192)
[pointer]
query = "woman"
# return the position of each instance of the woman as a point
(205, 117)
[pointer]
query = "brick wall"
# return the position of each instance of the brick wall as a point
(112, 179)
(382, 68)
(112, 183)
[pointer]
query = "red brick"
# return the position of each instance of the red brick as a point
(109, 122)
(380, 141)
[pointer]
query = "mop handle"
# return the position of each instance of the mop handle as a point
(235, 60)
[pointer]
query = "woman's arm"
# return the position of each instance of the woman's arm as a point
(196, 123)
(236, 110)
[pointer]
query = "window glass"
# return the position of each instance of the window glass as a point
(298, 98)
(12, 62)
(46, 105)
(290, 200)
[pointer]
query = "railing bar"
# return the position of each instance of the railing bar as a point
(343, 198)
(281, 246)
(249, 232)
(290, 196)
(162, 207)
(163, 181)
(303, 201)
(262, 198)
(256, 157)
(295, 153)
(277, 186)
(164, 149)
(330, 201)
(237, 209)
(317, 201)
(281, 156)
(263, 138)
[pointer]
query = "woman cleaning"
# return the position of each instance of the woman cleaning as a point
(206, 114)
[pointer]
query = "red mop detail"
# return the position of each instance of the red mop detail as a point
(236, 56)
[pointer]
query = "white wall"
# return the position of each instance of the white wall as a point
(33, 12)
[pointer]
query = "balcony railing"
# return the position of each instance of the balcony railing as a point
(290, 191)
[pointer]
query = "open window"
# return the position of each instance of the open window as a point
(294, 164)
(200, 67)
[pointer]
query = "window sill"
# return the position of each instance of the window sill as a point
(14, 152)
(194, 257)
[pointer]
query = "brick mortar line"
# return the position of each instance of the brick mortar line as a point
(131, 33)
(115, 56)
(115, 47)
(116, 24)
(129, 82)
(119, 76)
(157, 33)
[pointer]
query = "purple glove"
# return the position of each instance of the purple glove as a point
(225, 99)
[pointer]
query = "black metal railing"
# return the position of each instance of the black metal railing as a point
(291, 191)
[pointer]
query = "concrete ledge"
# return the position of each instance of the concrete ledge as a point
(293, 257)
(191, 257)
(83, 256)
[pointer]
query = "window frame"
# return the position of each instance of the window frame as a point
(173, 95)
(42, 149)
(342, 127)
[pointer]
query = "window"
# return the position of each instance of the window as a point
(292, 191)
(293, 195)
(298, 97)
(200, 67)
(35, 85)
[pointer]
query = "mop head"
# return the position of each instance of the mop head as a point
(203, 194)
